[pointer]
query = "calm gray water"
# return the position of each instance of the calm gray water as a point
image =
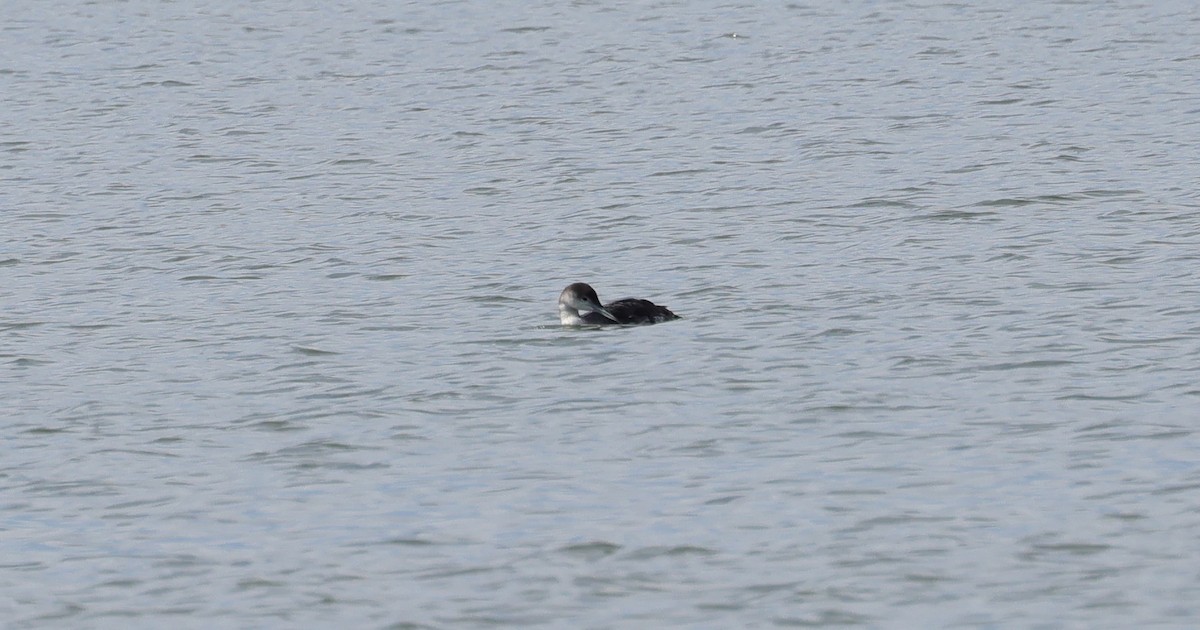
(279, 345)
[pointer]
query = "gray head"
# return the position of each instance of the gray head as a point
(579, 297)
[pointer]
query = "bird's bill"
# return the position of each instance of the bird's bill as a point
(603, 311)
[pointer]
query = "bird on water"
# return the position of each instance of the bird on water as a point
(578, 305)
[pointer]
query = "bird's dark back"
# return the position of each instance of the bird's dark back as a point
(635, 311)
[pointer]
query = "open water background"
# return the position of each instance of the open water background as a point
(279, 348)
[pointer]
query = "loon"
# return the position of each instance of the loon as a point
(581, 297)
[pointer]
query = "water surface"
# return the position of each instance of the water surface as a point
(279, 344)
